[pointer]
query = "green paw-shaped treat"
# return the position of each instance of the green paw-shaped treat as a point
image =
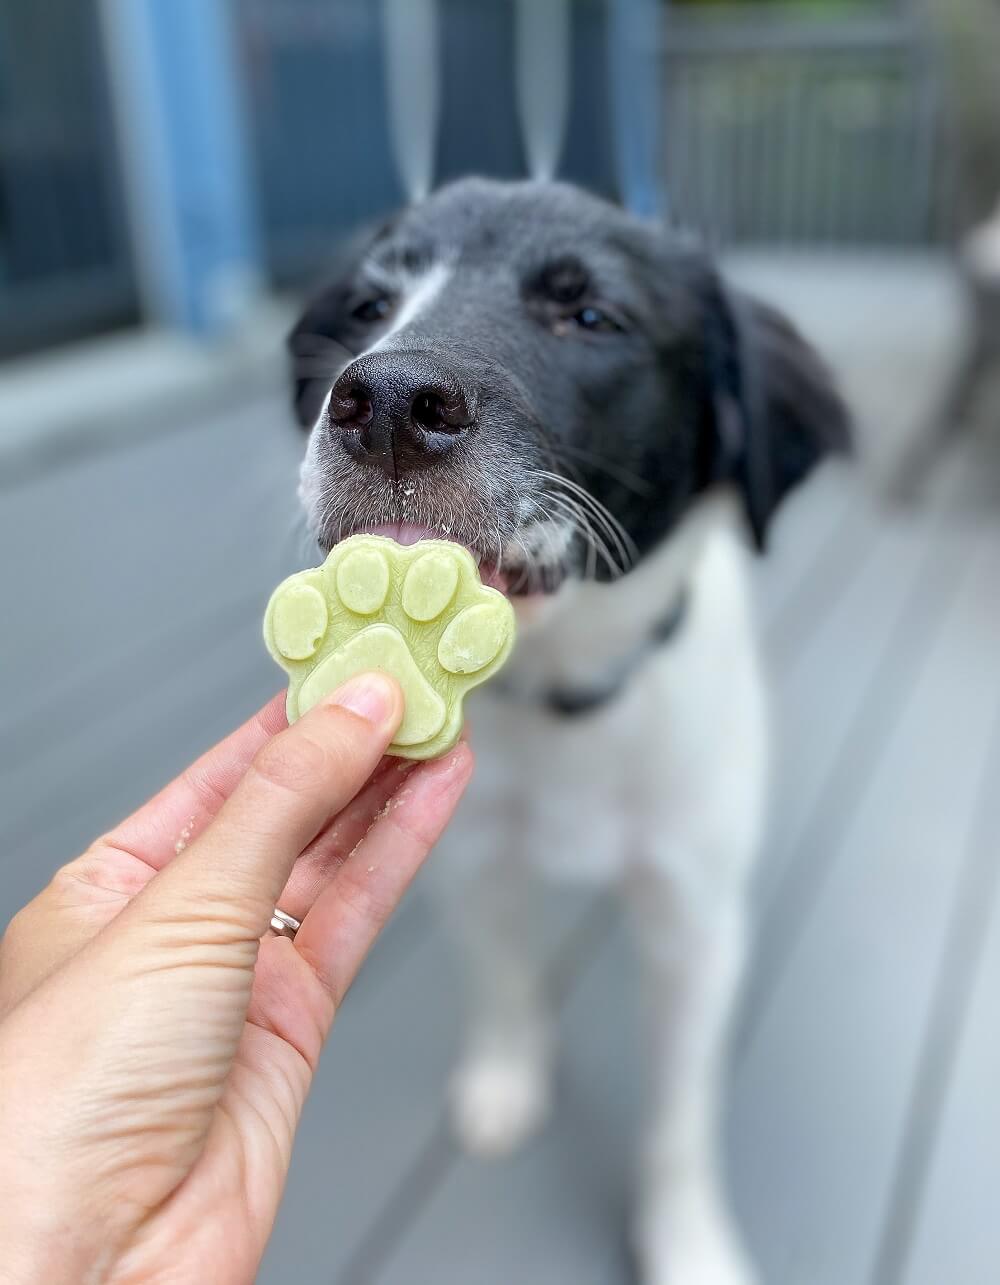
(418, 612)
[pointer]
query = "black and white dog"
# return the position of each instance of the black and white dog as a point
(577, 397)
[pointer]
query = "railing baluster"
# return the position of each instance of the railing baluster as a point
(542, 77)
(413, 87)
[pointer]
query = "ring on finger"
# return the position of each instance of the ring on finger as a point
(284, 925)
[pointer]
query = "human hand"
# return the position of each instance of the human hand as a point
(156, 1043)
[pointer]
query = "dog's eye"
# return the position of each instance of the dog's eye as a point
(594, 319)
(373, 310)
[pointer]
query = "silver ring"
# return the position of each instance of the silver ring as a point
(283, 925)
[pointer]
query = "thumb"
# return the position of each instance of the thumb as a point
(294, 785)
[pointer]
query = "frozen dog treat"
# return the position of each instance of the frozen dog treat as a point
(419, 612)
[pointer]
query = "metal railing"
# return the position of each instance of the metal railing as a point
(820, 132)
(792, 132)
(773, 130)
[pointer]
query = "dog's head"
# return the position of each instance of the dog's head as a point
(531, 371)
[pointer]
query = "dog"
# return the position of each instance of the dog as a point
(579, 398)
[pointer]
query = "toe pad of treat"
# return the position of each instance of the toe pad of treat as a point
(418, 612)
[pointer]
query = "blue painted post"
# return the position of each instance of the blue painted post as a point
(636, 61)
(182, 134)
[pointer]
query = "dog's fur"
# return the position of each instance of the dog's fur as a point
(621, 415)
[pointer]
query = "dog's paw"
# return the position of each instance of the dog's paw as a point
(418, 612)
(498, 1102)
(685, 1236)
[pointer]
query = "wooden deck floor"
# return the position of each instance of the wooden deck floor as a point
(863, 1126)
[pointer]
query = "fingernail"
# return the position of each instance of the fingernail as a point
(368, 695)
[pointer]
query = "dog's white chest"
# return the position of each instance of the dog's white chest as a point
(561, 788)
(671, 756)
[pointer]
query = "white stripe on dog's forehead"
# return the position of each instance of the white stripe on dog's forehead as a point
(415, 297)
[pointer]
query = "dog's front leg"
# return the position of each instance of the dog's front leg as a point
(500, 1091)
(691, 942)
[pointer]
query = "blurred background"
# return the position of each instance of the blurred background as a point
(173, 174)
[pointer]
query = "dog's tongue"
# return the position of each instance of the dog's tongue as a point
(402, 532)
(410, 533)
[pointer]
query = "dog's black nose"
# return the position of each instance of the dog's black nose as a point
(401, 411)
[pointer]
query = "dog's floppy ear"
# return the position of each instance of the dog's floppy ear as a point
(320, 342)
(775, 409)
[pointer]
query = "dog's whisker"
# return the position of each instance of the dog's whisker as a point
(603, 514)
(623, 475)
(549, 535)
(622, 541)
(578, 522)
(595, 542)
(499, 558)
(570, 506)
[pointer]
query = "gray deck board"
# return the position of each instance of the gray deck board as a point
(820, 1096)
(110, 554)
(953, 1213)
(557, 1210)
(819, 689)
(370, 1113)
(834, 697)
(810, 522)
(375, 1114)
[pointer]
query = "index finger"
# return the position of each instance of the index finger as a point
(294, 786)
